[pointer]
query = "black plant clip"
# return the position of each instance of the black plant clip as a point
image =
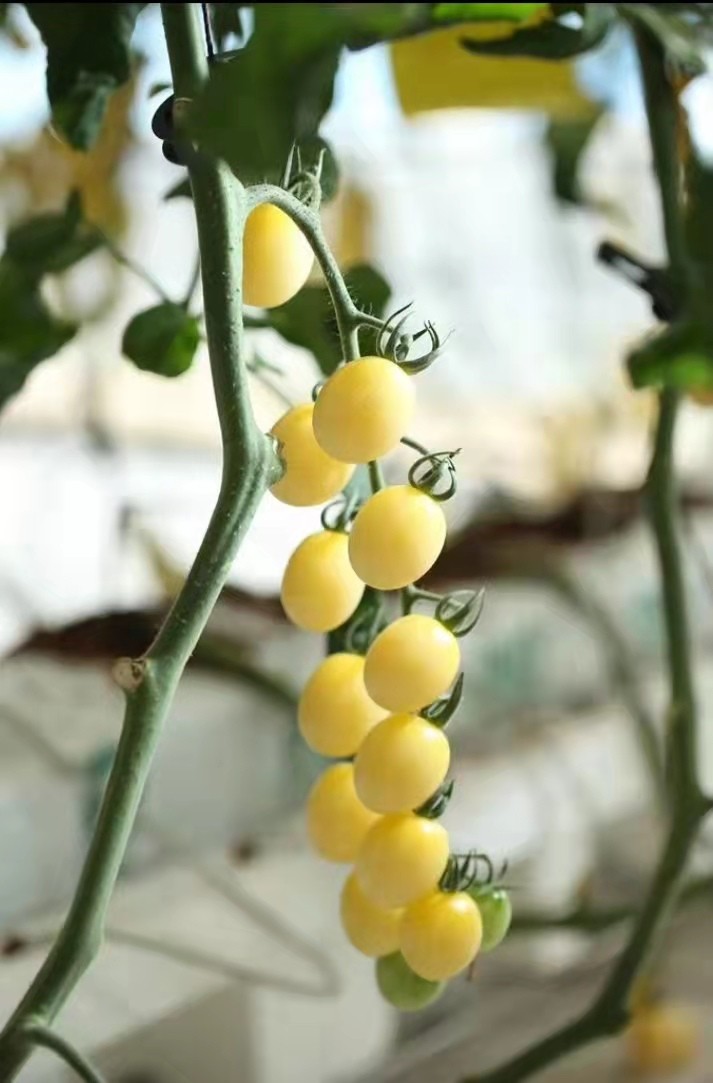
(655, 281)
(163, 128)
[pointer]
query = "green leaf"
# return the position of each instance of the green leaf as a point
(567, 141)
(551, 40)
(29, 332)
(49, 243)
(87, 59)
(308, 319)
(274, 92)
(162, 339)
(456, 13)
(679, 356)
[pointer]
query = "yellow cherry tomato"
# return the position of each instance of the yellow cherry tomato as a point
(319, 588)
(364, 409)
(402, 859)
(396, 537)
(411, 663)
(662, 1038)
(337, 822)
(372, 930)
(401, 763)
(335, 712)
(277, 258)
(440, 935)
(310, 477)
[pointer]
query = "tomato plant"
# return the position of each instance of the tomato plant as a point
(337, 821)
(401, 763)
(277, 258)
(372, 929)
(411, 663)
(311, 476)
(319, 588)
(440, 934)
(363, 410)
(401, 987)
(335, 713)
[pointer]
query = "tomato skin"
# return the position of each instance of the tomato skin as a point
(495, 913)
(371, 930)
(662, 1039)
(440, 935)
(396, 537)
(310, 476)
(364, 409)
(277, 257)
(337, 822)
(401, 987)
(319, 588)
(411, 663)
(335, 712)
(402, 858)
(401, 763)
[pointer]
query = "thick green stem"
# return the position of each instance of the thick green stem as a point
(249, 465)
(688, 806)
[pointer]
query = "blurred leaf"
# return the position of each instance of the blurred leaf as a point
(450, 13)
(274, 92)
(567, 140)
(87, 59)
(550, 40)
(225, 19)
(162, 339)
(49, 243)
(678, 356)
(159, 88)
(308, 319)
(698, 224)
(182, 188)
(29, 332)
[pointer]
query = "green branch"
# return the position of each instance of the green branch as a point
(609, 1013)
(45, 1038)
(250, 464)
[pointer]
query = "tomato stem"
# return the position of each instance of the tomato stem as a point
(250, 465)
(688, 805)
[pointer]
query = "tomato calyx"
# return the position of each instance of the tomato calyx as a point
(460, 611)
(340, 514)
(441, 711)
(396, 343)
(437, 804)
(304, 183)
(435, 475)
(463, 872)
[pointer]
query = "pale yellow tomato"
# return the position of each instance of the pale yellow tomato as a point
(402, 859)
(319, 588)
(277, 258)
(337, 821)
(311, 476)
(396, 537)
(440, 935)
(411, 663)
(372, 930)
(364, 409)
(401, 763)
(662, 1039)
(335, 712)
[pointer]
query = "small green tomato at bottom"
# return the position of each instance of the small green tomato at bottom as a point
(496, 914)
(402, 988)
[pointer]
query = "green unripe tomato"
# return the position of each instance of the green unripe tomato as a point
(496, 914)
(401, 987)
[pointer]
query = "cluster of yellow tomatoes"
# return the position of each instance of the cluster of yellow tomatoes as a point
(373, 808)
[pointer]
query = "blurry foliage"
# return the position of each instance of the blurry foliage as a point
(567, 140)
